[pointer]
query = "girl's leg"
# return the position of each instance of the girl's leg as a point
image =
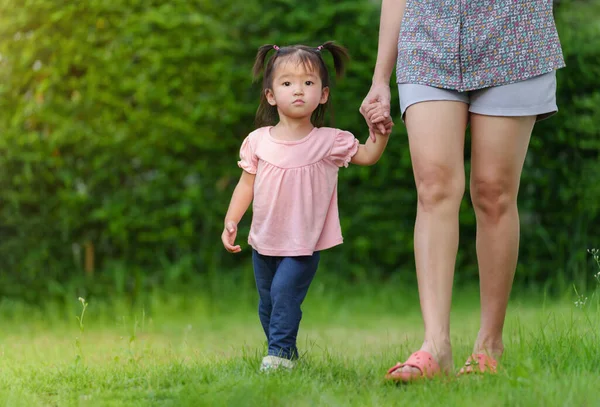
(436, 133)
(264, 271)
(289, 288)
(498, 150)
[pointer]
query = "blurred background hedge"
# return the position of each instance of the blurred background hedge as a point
(120, 124)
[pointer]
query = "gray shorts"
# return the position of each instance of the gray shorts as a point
(534, 96)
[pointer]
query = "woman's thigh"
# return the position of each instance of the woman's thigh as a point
(436, 133)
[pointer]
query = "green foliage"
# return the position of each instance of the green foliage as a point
(120, 125)
(560, 192)
(109, 117)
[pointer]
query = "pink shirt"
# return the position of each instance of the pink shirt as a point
(295, 209)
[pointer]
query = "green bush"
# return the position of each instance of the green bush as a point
(121, 122)
(560, 195)
(113, 119)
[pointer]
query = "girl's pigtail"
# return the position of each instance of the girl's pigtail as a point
(340, 56)
(261, 57)
(265, 114)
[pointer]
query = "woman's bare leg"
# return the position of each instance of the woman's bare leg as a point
(498, 150)
(436, 132)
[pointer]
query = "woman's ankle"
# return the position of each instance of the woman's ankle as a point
(490, 345)
(441, 350)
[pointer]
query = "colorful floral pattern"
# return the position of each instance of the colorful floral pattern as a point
(474, 44)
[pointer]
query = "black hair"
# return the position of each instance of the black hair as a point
(311, 58)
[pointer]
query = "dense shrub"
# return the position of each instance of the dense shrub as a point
(121, 121)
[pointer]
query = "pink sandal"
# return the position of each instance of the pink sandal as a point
(479, 363)
(421, 360)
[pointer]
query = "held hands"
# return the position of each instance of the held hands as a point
(375, 108)
(379, 118)
(228, 237)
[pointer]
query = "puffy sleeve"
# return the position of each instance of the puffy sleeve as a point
(345, 146)
(248, 159)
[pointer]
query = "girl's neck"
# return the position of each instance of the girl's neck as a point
(290, 129)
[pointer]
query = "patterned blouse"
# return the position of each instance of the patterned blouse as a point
(473, 44)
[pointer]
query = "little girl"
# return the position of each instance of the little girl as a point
(290, 170)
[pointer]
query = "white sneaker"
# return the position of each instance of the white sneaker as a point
(274, 363)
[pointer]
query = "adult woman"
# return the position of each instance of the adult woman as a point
(490, 64)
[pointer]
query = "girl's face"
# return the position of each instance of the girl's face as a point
(296, 90)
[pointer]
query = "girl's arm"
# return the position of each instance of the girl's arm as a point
(240, 201)
(370, 152)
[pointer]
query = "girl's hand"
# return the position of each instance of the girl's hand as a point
(379, 92)
(228, 238)
(377, 114)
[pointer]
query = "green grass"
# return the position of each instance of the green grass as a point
(191, 350)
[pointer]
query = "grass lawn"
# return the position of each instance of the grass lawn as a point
(179, 351)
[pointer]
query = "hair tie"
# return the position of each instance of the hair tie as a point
(275, 47)
(319, 48)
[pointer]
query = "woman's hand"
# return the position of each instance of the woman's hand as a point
(375, 108)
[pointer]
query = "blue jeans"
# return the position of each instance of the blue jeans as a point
(282, 284)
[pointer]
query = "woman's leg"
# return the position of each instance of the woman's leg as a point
(498, 150)
(436, 133)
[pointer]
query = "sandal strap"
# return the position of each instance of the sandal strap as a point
(480, 361)
(420, 360)
(401, 365)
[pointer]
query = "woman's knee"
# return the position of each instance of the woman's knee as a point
(440, 186)
(492, 197)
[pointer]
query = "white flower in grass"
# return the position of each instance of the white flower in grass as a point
(580, 303)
